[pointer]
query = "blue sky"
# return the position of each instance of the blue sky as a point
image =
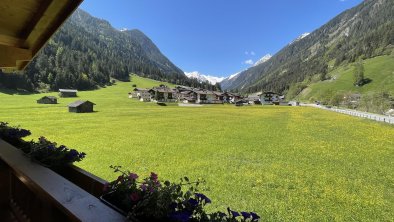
(216, 37)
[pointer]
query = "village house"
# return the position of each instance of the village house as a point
(183, 89)
(219, 96)
(186, 97)
(205, 97)
(254, 99)
(231, 97)
(270, 98)
(68, 92)
(81, 107)
(163, 94)
(141, 94)
(47, 100)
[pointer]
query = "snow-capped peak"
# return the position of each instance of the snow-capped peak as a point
(300, 37)
(263, 59)
(202, 78)
(123, 29)
(233, 75)
(303, 35)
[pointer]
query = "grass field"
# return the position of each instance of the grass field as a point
(285, 163)
(380, 70)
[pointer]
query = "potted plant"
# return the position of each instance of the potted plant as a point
(52, 156)
(150, 199)
(14, 135)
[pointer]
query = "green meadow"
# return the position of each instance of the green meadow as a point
(285, 163)
(378, 70)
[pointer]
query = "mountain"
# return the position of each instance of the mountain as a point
(87, 52)
(227, 83)
(263, 59)
(203, 78)
(300, 37)
(362, 32)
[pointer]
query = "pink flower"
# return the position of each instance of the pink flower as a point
(134, 197)
(153, 176)
(133, 176)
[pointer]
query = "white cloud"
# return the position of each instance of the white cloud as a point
(249, 62)
(250, 53)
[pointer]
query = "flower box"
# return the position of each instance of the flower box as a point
(109, 201)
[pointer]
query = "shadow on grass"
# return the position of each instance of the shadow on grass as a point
(366, 81)
(16, 91)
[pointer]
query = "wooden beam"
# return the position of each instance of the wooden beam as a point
(56, 14)
(21, 64)
(9, 55)
(11, 41)
(37, 17)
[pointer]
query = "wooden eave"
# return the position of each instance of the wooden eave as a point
(26, 25)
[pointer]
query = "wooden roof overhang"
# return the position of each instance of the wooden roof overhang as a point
(25, 27)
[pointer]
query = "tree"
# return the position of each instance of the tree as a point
(358, 74)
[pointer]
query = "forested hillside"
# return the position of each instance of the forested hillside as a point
(365, 31)
(87, 52)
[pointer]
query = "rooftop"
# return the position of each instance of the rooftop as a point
(26, 25)
(68, 90)
(78, 103)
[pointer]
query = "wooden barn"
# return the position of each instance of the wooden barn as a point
(68, 92)
(47, 100)
(81, 107)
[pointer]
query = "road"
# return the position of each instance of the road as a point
(372, 116)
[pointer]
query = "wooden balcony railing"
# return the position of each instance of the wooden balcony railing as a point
(31, 192)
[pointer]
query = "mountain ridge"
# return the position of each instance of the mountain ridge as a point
(87, 52)
(363, 31)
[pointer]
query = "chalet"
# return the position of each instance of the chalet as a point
(219, 96)
(254, 99)
(68, 92)
(231, 97)
(205, 97)
(47, 100)
(183, 88)
(81, 107)
(270, 98)
(187, 97)
(141, 94)
(163, 94)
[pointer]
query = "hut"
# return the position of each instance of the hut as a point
(47, 100)
(68, 92)
(81, 107)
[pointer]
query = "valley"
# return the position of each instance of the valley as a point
(285, 163)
